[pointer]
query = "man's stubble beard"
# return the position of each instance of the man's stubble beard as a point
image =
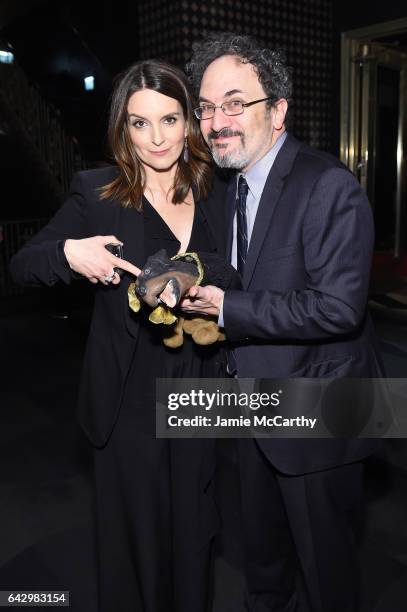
(235, 160)
(240, 158)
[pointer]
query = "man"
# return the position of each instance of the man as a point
(300, 232)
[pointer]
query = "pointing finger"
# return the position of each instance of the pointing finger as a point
(107, 239)
(126, 265)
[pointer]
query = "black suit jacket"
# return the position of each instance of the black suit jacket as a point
(303, 310)
(114, 328)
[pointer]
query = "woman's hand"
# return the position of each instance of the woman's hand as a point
(91, 259)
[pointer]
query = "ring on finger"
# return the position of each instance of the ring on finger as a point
(108, 279)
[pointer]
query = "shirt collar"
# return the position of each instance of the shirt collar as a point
(257, 175)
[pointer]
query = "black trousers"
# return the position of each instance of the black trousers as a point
(298, 545)
(154, 529)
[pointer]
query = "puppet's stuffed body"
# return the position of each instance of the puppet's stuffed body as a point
(203, 331)
(164, 281)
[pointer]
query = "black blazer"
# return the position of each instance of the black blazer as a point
(303, 311)
(113, 329)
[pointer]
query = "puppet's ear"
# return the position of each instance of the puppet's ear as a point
(134, 302)
(162, 315)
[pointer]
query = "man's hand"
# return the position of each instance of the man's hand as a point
(89, 258)
(205, 300)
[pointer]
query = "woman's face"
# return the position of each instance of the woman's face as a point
(157, 128)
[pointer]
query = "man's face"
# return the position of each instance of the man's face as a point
(238, 141)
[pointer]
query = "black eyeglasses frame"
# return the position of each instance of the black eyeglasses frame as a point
(244, 105)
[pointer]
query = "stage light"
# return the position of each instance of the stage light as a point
(6, 57)
(89, 83)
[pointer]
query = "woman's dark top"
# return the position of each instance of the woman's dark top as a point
(152, 359)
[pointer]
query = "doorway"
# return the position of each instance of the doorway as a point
(374, 127)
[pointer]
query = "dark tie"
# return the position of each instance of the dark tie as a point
(241, 237)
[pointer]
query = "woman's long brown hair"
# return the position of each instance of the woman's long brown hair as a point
(128, 186)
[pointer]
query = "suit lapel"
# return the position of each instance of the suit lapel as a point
(127, 225)
(270, 196)
(132, 235)
(131, 232)
(230, 213)
(213, 211)
(209, 219)
(268, 201)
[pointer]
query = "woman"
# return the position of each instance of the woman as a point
(155, 513)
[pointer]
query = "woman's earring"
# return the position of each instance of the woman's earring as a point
(186, 151)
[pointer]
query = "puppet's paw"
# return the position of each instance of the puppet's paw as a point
(203, 331)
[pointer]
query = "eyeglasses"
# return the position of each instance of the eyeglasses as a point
(234, 107)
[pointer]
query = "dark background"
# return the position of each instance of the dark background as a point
(57, 44)
(50, 127)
